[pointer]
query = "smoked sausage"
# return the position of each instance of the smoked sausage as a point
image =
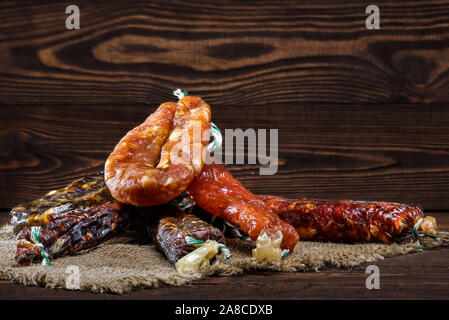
(350, 220)
(156, 161)
(218, 192)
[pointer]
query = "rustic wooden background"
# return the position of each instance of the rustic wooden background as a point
(361, 114)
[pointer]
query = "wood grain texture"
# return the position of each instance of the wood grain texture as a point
(362, 114)
(423, 275)
(233, 52)
(373, 152)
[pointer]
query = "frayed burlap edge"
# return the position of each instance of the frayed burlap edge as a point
(121, 265)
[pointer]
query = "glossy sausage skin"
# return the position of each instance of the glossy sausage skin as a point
(156, 161)
(346, 220)
(218, 192)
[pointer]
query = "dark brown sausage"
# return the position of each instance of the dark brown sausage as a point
(80, 195)
(73, 232)
(170, 233)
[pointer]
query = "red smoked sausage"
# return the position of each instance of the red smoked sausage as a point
(218, 192)
(350, 220)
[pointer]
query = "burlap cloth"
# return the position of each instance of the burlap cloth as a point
(124, 263)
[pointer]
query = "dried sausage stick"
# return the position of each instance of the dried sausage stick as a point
(170, 234)
(132, 173)
(80, 195)
(70, 233)
(350, 220)
(218, 192)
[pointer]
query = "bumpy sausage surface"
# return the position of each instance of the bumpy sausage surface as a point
(177, 136)
(80, 195)
(73, 232)
(170, 233)
(218, 192)
(347, 220)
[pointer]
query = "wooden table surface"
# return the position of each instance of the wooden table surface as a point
(422, 275)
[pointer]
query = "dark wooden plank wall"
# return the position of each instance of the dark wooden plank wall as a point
(361, 113)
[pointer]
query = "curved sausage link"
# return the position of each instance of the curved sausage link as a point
(348, 220)
(177, 134)
(218, 192)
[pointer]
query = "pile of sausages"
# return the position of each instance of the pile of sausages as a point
(164, 157)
